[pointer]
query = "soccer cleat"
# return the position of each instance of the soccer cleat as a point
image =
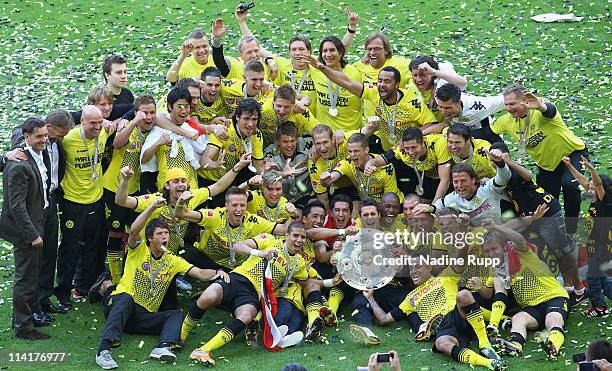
(505, 347)
(328, 316)
(575, 299)
(364, 335)
(552, 353)
(252, 333)
(93, 296)
(498, 365)
(291, 339)
(506, 324)
(597, 311)
(492, 331)
(163, 354)
(202, 357)
(489, 353)
(182, 284)
(105, 360)
(314, 330)
(429, 328)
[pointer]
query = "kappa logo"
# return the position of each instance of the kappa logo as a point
(478, 106)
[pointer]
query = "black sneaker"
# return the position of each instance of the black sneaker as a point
(505, 347)
(489, 353)
(252, 333)
(314, 330)
(575, 299)
(93, 296)
(499, 365)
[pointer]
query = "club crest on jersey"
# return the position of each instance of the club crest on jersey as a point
(478, 201)
(232, 148)
(134, 145)
(145, 266)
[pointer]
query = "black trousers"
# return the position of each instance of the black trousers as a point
(287, 314)
(560, 179)
(27, 260)
(46, 272)
(388, 297)
(123, 314)
(81, 253)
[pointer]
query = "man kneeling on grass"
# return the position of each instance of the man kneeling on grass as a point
(133, 305)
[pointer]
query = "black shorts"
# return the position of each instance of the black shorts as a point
(539, 312)
(238, 292)
(456, 326)
(117, 217)
(511, 305)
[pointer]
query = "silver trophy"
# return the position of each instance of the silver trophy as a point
(363, 263)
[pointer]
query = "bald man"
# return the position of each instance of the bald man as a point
(82, 207)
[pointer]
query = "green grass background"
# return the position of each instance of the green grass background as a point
(51, 56)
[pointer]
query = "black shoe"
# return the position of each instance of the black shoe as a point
(42, 316)
(39, 320)
(47, 307)
(93, 296)
(575, 299)
(63, 307)
(33, 335)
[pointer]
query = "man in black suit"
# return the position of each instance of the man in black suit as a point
(59, 122)
(22, 223)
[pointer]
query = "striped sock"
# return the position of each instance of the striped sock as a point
(473, 314)
(191, 320)
(313, 305)
(469, 357)
(224, 336)
(335, 298)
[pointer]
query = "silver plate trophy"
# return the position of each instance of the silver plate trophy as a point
(361, 261)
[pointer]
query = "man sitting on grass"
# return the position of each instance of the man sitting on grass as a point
(132, 306)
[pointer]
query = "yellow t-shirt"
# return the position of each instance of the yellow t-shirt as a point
(382, 180)
(479, 160)
(232, 93)
(214, 241)
(437, 295)
(234, 148)
(237, 69)
(128, 155)
(437, 154)
(77, 183)
(348, 105)
(205, 113)
(533, 284)
(178, 229)
(317, 168)
(409, 112)
(285, 74)
(549, 140)
(191, 68)
(167, 162)
(269, 122)
(136, 279)
(257, 205)
(253, 267)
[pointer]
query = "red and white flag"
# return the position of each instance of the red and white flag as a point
(272, 336)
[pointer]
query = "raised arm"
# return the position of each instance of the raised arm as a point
(509, 234)
(595, 178)
(141, 221)
(337, 77)
(226, 180)
(521, 170)
(351, 29)
(183, 213)
(121, 197)
(123, 136)
(173, 72)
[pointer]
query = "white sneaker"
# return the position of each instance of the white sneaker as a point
(163, 354)
(292, 339)
(284, 329)
(105, 360)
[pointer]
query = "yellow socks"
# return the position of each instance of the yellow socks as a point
(335, 298)
(473, 314)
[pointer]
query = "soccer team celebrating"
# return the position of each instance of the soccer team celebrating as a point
(262, 163)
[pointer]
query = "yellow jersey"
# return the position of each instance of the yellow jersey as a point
(287, 75)
(478, 159)
(548, 139)
(78, 183)
(166, 162)
(316, 168)
(257, 205)
(177, 227)
(215, 240)
(437, 154)
(437, 295)
(269, 122)
(127, 155)
(348, 106)
(233, 91)
(234, 148)
(408, 111)
(143, 278)
(206, 112)
(281, 266)
(191, 68)
(382, 180)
